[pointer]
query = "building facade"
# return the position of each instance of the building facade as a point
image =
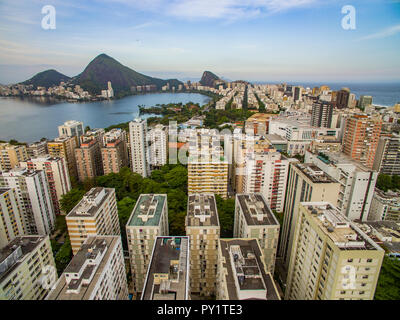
(95, 214)
(11, 223)
(96, 272)
(139, 147)
(168, 274)
(331, 259)
(27, 269)
(148, 220)
(11, 156)
(203, 229)
(89, 160)
(254, 219)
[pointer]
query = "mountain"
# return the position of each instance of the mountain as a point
(47, 79)
(104, 68)
(208, 79)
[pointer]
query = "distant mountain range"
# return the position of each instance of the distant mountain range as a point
(96, 75)
(104, 68)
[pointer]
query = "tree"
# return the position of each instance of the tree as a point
(125, 207)
(389, 278)
(69, 200)
(63, 256)
(226, 214)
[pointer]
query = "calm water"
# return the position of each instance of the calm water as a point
(29, 120)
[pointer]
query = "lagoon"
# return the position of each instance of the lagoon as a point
(30, 119)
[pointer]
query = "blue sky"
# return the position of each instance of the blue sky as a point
(259, 40)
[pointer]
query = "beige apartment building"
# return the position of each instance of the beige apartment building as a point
(254, 219)
(95, 214)
(241, 272)
(114, 156)
(88, 160)
(65, 147)
(11, 155)
(331, 258)
(11, 223)
(96, 272)
(169, 271)
(203, 229)
(27, 269)
(207, 166)
(149, 219)
(306, 182)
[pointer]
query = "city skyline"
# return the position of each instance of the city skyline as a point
(264, 40)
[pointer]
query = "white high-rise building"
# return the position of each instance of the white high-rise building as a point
(34, 199)
(158, 139)
(57, 176)
(96, 272)
(71, 128)
(357, 182)
(139, 148)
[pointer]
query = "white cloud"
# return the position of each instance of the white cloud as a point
(383, 34)
(217, 9)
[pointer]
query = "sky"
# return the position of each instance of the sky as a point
(258, 40)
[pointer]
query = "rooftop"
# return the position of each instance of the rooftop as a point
(168, 273)
(246, 275)
(256, 210)
(339, 158)
(315, 174)
(80, 277)
(344, 233)
(91, 202)
(12, 255)
(202, 210)
(148, 210)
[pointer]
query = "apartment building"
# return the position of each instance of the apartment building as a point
(203, 229)
(258, 124)
(93, 134)
(387, 156)
(361, 137)
(96, 272)
(306, 182)
(37, 149)
(207, 166)
(11, 155)
(95, 214)
(264, 171)
(71, 128)
(33, 198)
(331, 259)
(114, 156)
(148, 220)
(89, 160)
(385, 206)
(11, 223)
(158, 148)
(357, 182)
(139, 147)
(254, 219)
(27, 269)
(64, 147)
(241, 272)
(56, 170)
(322, 114)
(168, 274)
